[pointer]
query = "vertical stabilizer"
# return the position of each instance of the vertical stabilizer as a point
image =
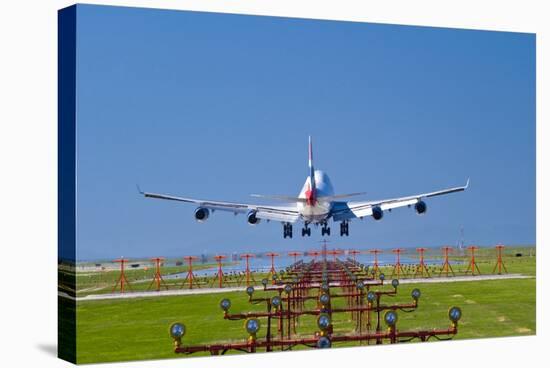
(311, 193)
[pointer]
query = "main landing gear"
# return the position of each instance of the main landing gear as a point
(344, 228)
(325, 230)
(287, 230)
(306, 230)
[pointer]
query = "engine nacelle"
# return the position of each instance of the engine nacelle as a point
(420, 207)
(377, 213)
(251, 218)
(201, 214)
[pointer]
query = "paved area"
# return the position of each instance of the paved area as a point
(149, 294)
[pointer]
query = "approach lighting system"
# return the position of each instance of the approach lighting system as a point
(390, 318)
(454, 314)
(225, 304)
(351, 291)
(382, 277)
(252, 325)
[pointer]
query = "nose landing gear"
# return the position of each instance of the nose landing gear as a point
(306, 230)
(287, 230)
(344, 228)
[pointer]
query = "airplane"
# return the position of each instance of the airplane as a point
(315, 204)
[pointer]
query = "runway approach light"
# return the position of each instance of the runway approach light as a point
(274, 277)
(395, 283)
(382, 277)
(250, 290)
(416, 294)
(177, 330)
(371, 296)
(390, 318)
(325, 287)
(323, 343)
(225, 304)
(276, 302)
(252, 326)
(295, 280)
(264, 282)
(360, 285)
(288, 288)
(455, 313)
(323, 322)
(324, 299)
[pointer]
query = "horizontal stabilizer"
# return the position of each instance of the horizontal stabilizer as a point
(280, 198)
(340, 196)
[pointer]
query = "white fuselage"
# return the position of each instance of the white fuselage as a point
(316, 210)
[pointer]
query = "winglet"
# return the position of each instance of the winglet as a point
(139, 189)
(467, 184)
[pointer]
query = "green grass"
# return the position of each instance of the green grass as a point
(131, 329)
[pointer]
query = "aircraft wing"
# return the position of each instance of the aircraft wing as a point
(276, 213)
(348, 210)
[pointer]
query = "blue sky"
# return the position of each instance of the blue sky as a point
(220, 106)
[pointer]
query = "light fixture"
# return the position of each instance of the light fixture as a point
(324, 299)
(225, 304)
(323, 343)
(323, 322)
(250, 290)
(371, 296)
(252, 325)
(177, 330)
(390, 318)
(455, 313)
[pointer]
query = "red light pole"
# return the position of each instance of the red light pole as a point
(421, 268)
(122, 278)
(314, 254)
(219, 259)
(190, 275)
(375, 267)
(247, 256)
(397, 268)
(354, 253)
(272, 255)
(446, 265)
(500, 264)
(295, 255)
(472, 266)
(157, 279)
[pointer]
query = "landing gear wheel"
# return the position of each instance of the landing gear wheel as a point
(287, 230)
(325, 230)
(344, 228)
(306, 231)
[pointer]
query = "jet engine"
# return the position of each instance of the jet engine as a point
(377, 213)
(201, 214)
(420, 207)
(251, 218)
